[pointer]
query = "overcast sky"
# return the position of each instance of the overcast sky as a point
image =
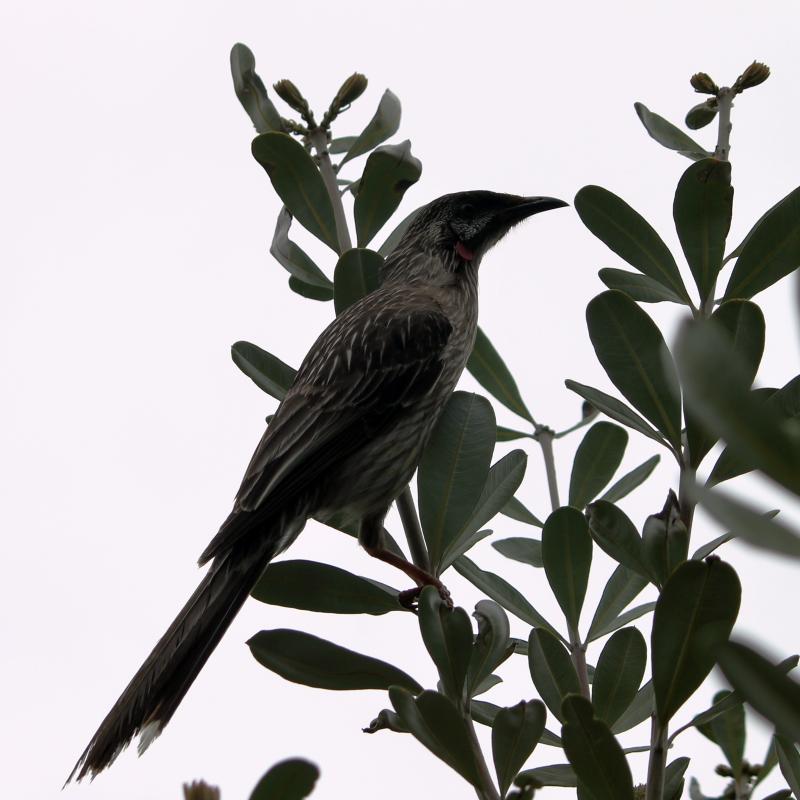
(134, 253)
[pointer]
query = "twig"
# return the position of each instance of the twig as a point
(545, 436)
(658, 760)
(319, 138)
(487, 790)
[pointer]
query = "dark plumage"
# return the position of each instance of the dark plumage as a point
(345, 440)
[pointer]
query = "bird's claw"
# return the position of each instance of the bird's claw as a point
(408, 598)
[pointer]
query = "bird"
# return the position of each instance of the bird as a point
(344, 442)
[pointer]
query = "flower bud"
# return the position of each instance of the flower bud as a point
(756, 73)
(290, 95)
(702, 82)
(200, 790)
(351, 90)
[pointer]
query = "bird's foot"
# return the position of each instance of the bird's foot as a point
(408, 599)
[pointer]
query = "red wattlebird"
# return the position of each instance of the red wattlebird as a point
(345, 440)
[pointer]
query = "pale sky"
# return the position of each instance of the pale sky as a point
(134, 254)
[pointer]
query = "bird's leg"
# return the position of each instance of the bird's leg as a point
(370, 536)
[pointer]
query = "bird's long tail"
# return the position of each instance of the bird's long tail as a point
(154, 693)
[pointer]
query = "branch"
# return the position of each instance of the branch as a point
(545, 436)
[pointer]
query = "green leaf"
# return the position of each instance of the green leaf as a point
(292, 779)
(341, 144)
(623, 619)
(552, 670)
(503, 593)
(638, 287)
(764, 686)
(743, 323)
(383, 125)
(618, 674)
(673, 778)
(783, 404)
(633, 353)
(621, 588)
(389, 172)
(268, 372)
(435, 722)
(722, 401)
(728, 730)
(294, 259)
(702, 213)
(567, 557)
(515, 734)
(509, 434)
(462, 545)
(302, 658)
(630, 236)
(694, 617)
(522, 549)
(617, 535)
(594, 753)
(551, 775)
(638, 711)
(489, 682)
(755, 528)
(615, 409)
(668, 135)
(357, 274)
(504, 478)
(702, 114)
(447, 634)
(394, 238)
(596, 460)
(308, 290)
(491, 372)
(631, 480)
(298, 183)
(492, 644)
(515, 510)
(453, 470)
(483, 712)
(251, 91)
(312, 586)
(781, 794)
(770, 252)
(789, 760)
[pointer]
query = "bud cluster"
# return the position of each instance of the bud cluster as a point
(349, 91)
(292, 96)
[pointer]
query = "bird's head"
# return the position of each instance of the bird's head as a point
(463, 226)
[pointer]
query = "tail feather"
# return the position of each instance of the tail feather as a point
(154, 693)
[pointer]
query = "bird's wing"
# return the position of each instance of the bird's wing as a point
(362, 372)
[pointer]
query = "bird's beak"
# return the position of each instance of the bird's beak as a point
(533, 205)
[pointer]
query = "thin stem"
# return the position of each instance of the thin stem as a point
(585, 421)
(319, 138)
(658, 760)
(725, 102)
(487, 790)
(545, 436)
(410, 520)
(577, 652)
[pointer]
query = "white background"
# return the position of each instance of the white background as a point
(134, 252)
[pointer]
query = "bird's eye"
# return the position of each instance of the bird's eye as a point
(466, 210)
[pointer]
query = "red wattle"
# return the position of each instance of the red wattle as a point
(464, 251)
